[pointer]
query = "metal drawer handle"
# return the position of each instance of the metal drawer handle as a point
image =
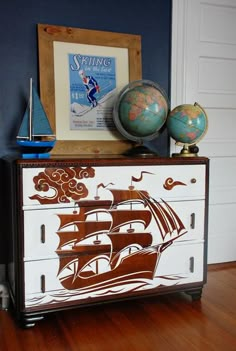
(43, 284)
(191, 264)
(192, 222)
(41, 187)
(193, 180)
(43, 237)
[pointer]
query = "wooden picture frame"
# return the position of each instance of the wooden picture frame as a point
(51, 37)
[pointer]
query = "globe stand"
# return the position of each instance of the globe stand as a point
(139, 151)
(139, 114)
(187, 124)
(187, 151)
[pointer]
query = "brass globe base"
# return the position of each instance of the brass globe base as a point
(184, 155)
(187, 151)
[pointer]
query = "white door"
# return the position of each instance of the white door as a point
(204, 71)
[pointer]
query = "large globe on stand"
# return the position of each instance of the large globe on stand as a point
(187, 124)
(140, 112)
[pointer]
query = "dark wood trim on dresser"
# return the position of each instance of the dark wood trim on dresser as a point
(92, 230)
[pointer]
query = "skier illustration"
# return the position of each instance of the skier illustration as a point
(91, 86)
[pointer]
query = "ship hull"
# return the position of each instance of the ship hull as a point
(35, 148)
(139, 265)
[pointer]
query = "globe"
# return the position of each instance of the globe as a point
(187, 124)
(140, 110)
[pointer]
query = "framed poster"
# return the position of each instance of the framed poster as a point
(81, 74)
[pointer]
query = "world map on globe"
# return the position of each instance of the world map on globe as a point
(141, 110)
(187, 123)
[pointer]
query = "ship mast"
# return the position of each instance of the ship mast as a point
(30, 110)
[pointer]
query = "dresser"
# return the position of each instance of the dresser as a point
(87, 230)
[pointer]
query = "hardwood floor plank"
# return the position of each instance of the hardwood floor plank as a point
(169, 322)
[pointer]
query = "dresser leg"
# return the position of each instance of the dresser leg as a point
(29, 321)
(196, 294)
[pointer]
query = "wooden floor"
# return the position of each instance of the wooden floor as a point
(164, 323)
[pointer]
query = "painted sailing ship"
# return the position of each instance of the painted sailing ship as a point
(35, 136)
(108, 243)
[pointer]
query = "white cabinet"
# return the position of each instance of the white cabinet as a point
(92, 230)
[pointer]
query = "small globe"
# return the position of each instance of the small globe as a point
(187, 124)
(141, 110)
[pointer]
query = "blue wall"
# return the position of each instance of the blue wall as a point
(19, 55)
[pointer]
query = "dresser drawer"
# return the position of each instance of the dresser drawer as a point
(178, 265)
(47, 229)
(40, 232)
(48, 186)
(191, 214)
(181, 263)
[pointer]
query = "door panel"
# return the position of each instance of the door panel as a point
(204, 70)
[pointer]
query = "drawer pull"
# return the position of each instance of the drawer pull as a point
(43, 288)
(43, 238)
(193, 180)
(191, 264)
(41, 187)
(192, 222)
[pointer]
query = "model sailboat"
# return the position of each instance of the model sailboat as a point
(35, 136)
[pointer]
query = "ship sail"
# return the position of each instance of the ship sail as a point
(123, 217)
(129, 195)
(35, 136)
(86, 229)
(166, 219)
(84, 211)
(35, 122)
(67, 238)
(122, 240)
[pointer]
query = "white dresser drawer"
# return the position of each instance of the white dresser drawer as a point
(182, 263)
(48, 186)
(40, 232)
(42, 225)
(178, 265)
(191, 214)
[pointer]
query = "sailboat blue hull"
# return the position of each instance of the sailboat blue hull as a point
(36, 148)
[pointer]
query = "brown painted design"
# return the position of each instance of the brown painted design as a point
(64, 182)
(110, 243)
(170, 183)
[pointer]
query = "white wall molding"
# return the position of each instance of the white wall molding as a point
(178, 56)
